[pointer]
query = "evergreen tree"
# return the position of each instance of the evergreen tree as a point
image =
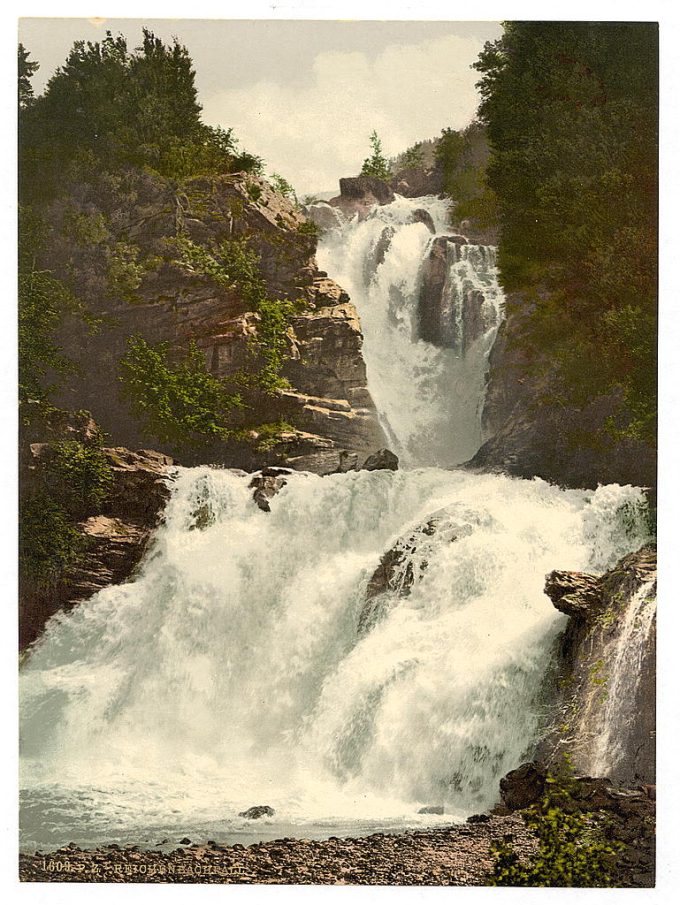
(377, 164)
(571, 113)
(26, 70)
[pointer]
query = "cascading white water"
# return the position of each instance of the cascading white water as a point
(231, 672)
(429, 398)
(626, 655)
(244, 666)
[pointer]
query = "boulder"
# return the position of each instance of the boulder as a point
(366, 187)
(524, 786)
(267, 484)
(257, 811)
(324, 215)
(420, 215)
(382, 459)
(432, 809)
(576, 594)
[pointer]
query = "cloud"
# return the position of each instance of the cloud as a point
(316, 133)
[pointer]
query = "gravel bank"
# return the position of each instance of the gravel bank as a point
(455, 856)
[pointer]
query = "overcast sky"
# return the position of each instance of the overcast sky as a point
(304, 95)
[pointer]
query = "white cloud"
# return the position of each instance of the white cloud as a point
(315, 134)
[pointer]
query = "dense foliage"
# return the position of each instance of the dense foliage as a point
(72, 481)
(43, 302)
(461, 157)
(571, 117)
(572, 848)
(179, 402)
(107, 107)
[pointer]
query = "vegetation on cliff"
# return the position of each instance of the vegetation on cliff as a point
(115, 166)
(570, 111)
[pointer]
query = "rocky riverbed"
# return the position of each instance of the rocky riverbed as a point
(451, 856)
(454, 856)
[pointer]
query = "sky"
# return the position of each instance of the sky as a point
(306, 95)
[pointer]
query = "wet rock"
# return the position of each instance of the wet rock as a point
(267, 484)
(524, 786)
(382, 459)
(576, 594)
(185, 841)
(432, 809)
(478, 315)
(605, 678)
(420, 215)
(257, 811)
(324, 215)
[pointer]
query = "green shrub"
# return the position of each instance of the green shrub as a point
(177, 402)
(78, 477)
(573, 850)
(49, 545)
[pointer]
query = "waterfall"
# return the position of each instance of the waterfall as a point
(429, 396)
(255, 658)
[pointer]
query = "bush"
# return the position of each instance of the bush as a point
(178, 402)
(49, 544)
(572, 848)
(79, 477)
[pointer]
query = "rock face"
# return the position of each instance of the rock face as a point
(452, 313)
(606, 673)
(175, 303)
(529, 437)
(406, 561)
(115, 539)
(358, 194)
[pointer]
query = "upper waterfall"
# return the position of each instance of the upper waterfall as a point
(429, 305)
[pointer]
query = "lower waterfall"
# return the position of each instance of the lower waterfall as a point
(246, 665)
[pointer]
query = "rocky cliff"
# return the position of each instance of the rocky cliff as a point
(605, 711)
(113, 242)
(109, 535)
(532, 431)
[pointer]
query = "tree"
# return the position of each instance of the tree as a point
(26, 70)
(179, 402)
(107, 108)
(376, 165)
(571, 114)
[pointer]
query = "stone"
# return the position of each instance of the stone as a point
(266, 485)
(257, 811)
(576, 594)
(420, 215)
(382, 459)
(432, 809)
(524, 786)
(324, 215)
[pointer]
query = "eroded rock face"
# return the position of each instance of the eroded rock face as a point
(405, 563)
(358, 194)
(115, 538)
(453, 312)
(177, 304)
(606, 674)
(529, 437)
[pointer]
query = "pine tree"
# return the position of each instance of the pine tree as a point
(376, 165)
